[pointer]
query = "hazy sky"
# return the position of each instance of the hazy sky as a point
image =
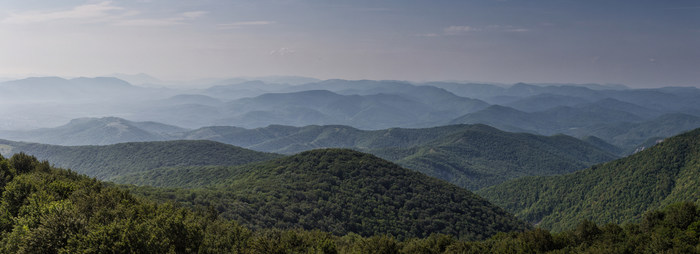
(636, 42)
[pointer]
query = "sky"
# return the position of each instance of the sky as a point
(637, 43)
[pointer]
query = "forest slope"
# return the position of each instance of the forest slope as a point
(104, 162)
(615, 192)
(50, 210)
(338, 191)
(471, 156)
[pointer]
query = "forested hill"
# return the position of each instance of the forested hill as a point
(479, 156)
(471, 156)
(49, 210)
(105, 162)
(615, 192)
(339, 191)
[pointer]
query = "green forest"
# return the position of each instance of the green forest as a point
(469, 156)
(335, 190)
(619, 191)
(51, 210)
(105, 162)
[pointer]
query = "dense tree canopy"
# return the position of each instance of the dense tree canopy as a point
(105, 162)
(49, 210)
(620, 191)
(335, 190)
(470, 156)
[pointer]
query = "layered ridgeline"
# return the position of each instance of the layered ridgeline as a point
(334, 190)
(577, 110)
(105, 162)
(49, 210)
(615, 192)
(619, 128)
(363, 104)
(471, 156)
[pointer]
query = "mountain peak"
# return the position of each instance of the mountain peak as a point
(101, 81)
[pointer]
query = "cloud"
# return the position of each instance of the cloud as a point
(428, 35)
(193, 14)
(149, 22)
(102, 12)
(369, 9)
(82, 12)
(463, 29)
(244, 23)
(518, 30)
(453, 30)
(170, 21)
(282, 52)
(506, 28)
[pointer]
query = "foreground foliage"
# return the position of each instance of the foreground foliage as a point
(49, 210)
(676, 229)
(620, 191)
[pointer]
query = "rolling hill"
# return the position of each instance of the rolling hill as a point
(371, 111)
(471, 156)
(334, 190)
(95, 131)
(51, 210)
(105, 162)
(482, 156)
(542, 102)
(453, 153)
(75, 90)
(560, 119)
(633, 136)
(437, 98)
(607, 119)
(615, 192)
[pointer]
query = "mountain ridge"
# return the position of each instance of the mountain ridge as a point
(435, 151)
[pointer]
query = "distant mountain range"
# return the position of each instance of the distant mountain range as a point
(619, 191)
(364, 104)
(620, 128)
(627, 118)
